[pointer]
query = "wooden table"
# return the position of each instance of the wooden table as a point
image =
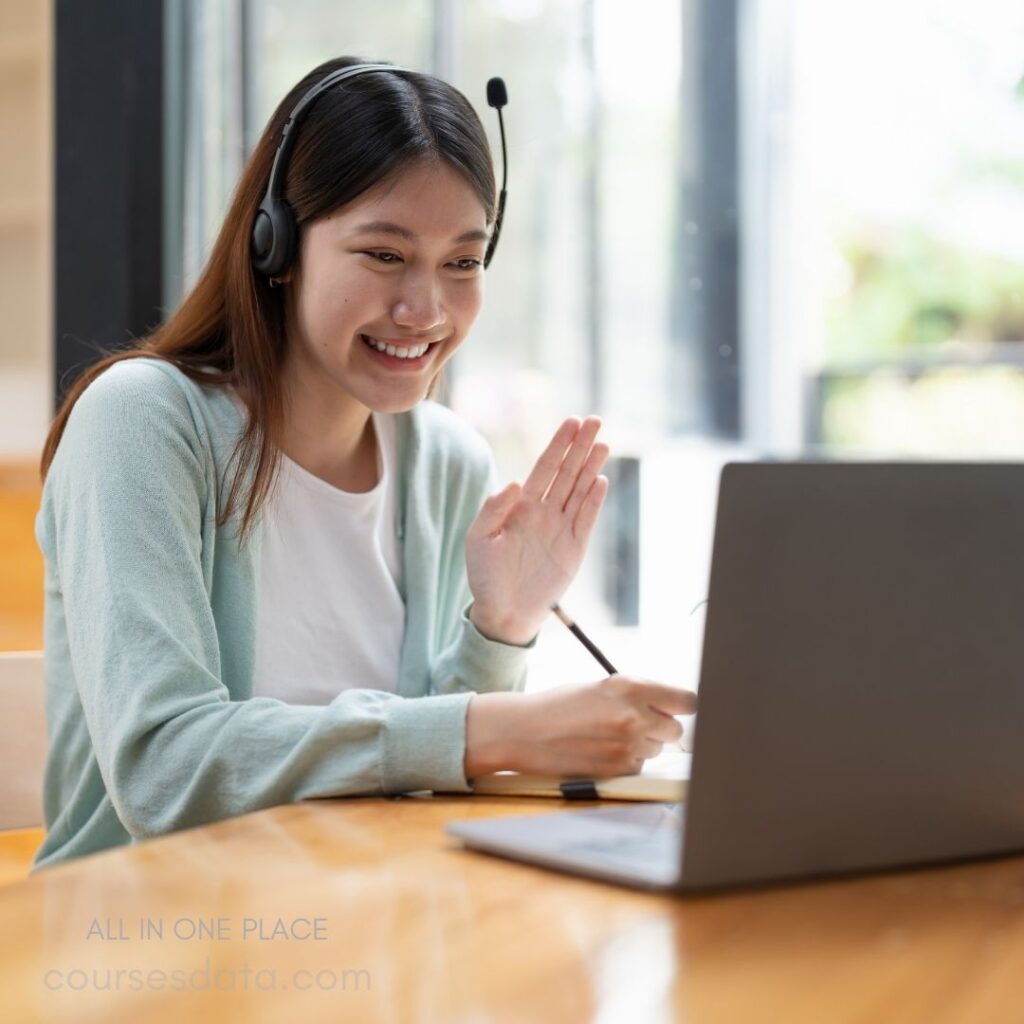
(383, 918)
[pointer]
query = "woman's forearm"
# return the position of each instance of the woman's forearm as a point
(490, 732)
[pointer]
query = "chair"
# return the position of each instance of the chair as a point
(22, 756)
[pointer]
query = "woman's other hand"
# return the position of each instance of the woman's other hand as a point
(528, 541)
(598, 730)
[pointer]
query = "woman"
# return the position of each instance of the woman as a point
(271, 571)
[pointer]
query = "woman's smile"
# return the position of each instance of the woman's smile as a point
(397, 354)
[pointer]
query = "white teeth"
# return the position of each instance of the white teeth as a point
(401, 353)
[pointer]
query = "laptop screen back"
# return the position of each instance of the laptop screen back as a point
(862, 680)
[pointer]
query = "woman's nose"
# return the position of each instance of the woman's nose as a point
(419, 306)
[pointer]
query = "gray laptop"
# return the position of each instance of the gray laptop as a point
(861, 687)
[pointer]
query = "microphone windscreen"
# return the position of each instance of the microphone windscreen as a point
(496, 93)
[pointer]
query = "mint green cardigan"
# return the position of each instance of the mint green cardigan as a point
(150, 618)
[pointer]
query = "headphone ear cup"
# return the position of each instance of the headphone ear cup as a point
(273, 238)
(262, 240)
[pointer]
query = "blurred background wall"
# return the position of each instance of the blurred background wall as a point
(26, 305)
(26, 219)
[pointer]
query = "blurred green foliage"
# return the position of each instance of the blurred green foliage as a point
(950, 411)
(908, 288)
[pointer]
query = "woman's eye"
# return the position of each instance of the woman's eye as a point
(390, 258)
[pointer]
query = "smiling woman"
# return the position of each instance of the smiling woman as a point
(273, 571)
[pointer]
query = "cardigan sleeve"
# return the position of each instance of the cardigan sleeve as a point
(123, 512)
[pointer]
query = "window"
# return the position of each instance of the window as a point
(903, 181)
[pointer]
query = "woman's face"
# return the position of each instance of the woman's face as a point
(399, 268)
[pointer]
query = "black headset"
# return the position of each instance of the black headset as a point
(274, 231)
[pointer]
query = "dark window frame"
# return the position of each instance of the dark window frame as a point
(108, 179)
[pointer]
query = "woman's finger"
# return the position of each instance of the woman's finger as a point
(669, 700)
(572, 464)
(595, 462)
(492, 515)
(664, 728)
(551, 458)
(590, 509)
(649, 748)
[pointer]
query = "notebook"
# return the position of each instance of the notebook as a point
(664, 778)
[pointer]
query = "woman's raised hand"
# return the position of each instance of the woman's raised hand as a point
(528, 541)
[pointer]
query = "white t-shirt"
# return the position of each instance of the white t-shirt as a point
(330, 614)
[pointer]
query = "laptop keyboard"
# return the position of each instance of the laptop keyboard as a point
(638, 843)
(634, 836)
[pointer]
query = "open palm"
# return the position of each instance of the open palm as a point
(528, 541)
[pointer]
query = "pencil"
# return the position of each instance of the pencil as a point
(586, 641)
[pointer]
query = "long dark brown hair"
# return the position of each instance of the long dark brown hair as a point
(230, 328)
